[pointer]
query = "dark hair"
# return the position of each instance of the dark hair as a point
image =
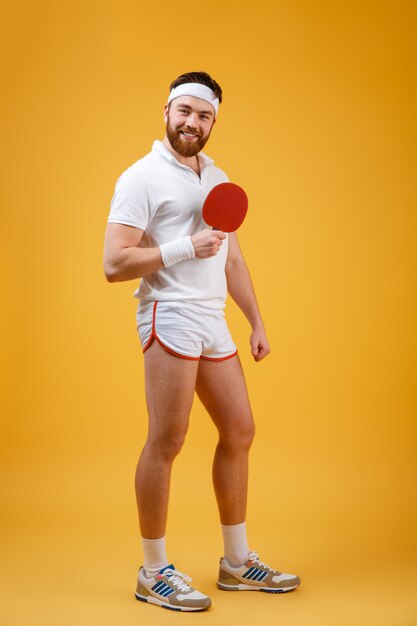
(198, 77)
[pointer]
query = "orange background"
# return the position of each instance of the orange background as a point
(318, 124)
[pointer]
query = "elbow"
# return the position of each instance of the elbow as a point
(111, 278)
(229, 269)
(110, 272)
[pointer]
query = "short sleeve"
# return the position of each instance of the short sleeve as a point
(130, 204)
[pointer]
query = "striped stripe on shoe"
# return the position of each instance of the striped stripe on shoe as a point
(170, 590)
(253, 575)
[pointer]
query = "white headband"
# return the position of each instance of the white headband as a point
(197, 90)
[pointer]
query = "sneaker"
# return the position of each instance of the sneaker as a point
(170, 590)
(254, 575)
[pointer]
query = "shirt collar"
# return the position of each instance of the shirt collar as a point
(159, 147)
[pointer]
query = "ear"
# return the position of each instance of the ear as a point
(166, 113)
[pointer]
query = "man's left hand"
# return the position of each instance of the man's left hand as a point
(259, 345)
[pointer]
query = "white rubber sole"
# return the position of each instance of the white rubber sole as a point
(165, 605)
(245, 587)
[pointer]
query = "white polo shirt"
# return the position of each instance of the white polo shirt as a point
(165, 198)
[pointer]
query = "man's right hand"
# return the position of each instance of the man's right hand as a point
(207, 242)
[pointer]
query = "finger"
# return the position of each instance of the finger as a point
(261, 355)
(263, 352)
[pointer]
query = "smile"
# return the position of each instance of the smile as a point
(188, 135)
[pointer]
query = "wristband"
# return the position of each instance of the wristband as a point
(176, 251)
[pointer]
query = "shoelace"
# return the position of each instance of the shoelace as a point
(254, 557)
(178, 579)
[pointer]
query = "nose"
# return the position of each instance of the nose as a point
(192, 120)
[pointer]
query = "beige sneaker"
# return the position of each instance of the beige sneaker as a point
(254, 575)
(170, 590)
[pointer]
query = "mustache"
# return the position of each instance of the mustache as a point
(188, 129)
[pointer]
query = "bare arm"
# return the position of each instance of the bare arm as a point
(123, 259)
(240, 287)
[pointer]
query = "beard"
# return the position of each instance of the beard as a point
(184, 147)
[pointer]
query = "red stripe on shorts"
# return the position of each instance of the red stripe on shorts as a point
(155, 336)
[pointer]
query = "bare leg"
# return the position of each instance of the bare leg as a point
(222, 389)
(170, 383)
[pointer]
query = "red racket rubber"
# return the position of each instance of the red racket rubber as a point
(225, 207)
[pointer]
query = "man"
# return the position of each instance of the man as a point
(156, 233)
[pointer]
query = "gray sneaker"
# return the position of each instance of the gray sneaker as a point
(170, 590)
(254, 575)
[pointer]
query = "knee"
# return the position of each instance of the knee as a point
(167, 445)
(240, 436)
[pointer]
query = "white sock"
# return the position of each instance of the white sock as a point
(155, 556)
(236, 547)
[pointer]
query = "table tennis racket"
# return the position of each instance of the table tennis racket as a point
(225, 207)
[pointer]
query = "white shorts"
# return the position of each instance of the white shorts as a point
(184, 329)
